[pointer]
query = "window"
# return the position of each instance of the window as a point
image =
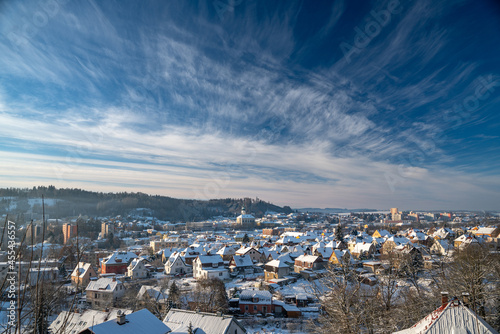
(220, 274)
(255, 307)
(246, 307)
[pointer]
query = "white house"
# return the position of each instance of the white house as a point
(209, 266)
(177, 265)
(137, 269)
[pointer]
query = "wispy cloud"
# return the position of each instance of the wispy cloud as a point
(176, 105)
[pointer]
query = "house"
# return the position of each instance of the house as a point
(178, 321)
(241, 264)
(254, 254)
(441, 247)
(363, 250)
(226, 253)
(74, 322)
(451, 317)
(137, 269)
(153, 294)
(276, 269)
(82, 274)
(339, 257)
(141, 321)
(381, 234)
(117, 263)
(209, 266)
(487, 232)
(177, 266)
(465, 240)
(255, 301)
(308, 262)
(392, 242)
(104, 292)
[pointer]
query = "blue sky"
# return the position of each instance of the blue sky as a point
(326, 104)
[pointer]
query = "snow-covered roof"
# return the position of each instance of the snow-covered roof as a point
(241, 261)
(103, 284)
(255, 296)
(277, 264)
(204, 259)
(120, 257)
(81, 269)
(307, 258)
(451, 318)
(178, 321)
(71, 322)
(141, 321)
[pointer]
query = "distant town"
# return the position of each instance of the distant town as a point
(267, 272)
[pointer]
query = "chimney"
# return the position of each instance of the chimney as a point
(465, 298)
(120, 318)
(114, 278)
(444, 298)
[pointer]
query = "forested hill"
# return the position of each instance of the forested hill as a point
(67, 202)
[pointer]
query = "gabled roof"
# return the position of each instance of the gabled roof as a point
(178, 321)
(81, 269)
(241, 261)
(103, 284)
(141, 321)
(204, 259)
(70, 322)
(454, 317)
(120, 258)
(277, 264)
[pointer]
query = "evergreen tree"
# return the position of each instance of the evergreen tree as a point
(246, 239)
(339, 233)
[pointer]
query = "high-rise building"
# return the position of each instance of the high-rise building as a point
(107, 228)
(69, 231)
(395, 215)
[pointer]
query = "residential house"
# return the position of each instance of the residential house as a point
(441, 247)
(104, 292)
(255, 301)
(226, 253)
(363, 250)
(308, 262)
(153, 295)
(276, 269)
(254, 254)
(381, 234)
(82, 274)
(177, 266)
(241, 265)
(137, 269)
(117, 262)
(339, 257)
(209, 266)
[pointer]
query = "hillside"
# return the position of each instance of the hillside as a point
(67, 202)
